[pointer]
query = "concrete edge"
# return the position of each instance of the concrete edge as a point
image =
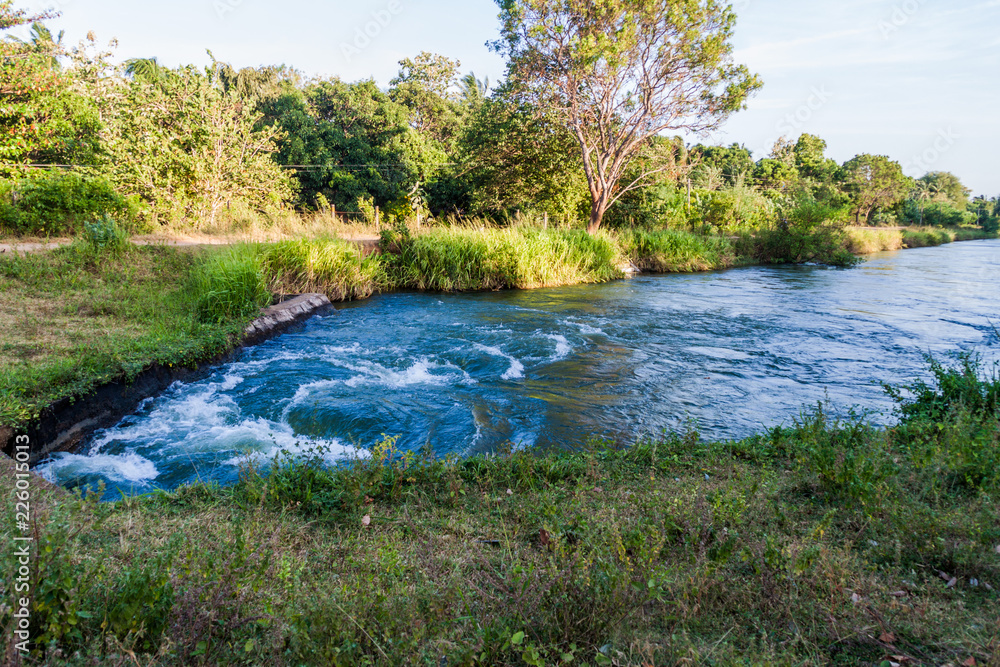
(64, 424)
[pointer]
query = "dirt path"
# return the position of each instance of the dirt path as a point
(369, 243)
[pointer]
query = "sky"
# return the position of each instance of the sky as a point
(912, 79)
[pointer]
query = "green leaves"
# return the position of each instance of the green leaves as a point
(618, 73)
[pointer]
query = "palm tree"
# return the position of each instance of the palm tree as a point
(474, 90)
(43, 44)
(145, 69)
(924, 192)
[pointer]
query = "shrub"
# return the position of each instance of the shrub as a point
(138, 603)
(105, 235)
(952, 425)
(736, 209)
(824, 244)
(849, 459)
(58, 203)
(809, 214)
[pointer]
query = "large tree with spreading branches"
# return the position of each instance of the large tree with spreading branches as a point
(617, 73)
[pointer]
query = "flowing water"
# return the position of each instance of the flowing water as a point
(733, 351)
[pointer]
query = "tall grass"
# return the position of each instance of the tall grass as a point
(868, 241)
(337, 268)
(668, 251)
(926, 238)
(865, 241)
(230, 285)
(519, 257)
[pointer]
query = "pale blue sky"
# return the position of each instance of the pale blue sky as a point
(913, 79)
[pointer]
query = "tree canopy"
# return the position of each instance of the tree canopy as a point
(874, 181)
(620, 72)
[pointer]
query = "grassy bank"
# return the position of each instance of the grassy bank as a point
(866, 240)
(826, 542)
(80, 316)
(103, 309)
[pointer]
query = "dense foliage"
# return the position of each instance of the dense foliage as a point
(212, 148)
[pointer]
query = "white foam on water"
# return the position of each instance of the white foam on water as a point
(516, 369)
(563, 348)
(189, 422)
(419, 373)
(585, 328)
(304, 392)
(230, 382)
(127, 467)
(278, 438)
(175, 414)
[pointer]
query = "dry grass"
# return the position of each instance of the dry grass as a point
(867, 241)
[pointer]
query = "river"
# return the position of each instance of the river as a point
(729, 352)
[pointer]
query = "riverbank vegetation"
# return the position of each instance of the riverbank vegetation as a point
(103, 309)
(83, 315)
(827, 541)
(268, 152)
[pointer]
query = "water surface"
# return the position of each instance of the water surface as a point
(734, 351)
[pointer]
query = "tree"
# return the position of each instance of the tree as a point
(188, 149)
(348, 141)
(772, 174)
(431, 71)
(514, 158)
(617, 73)
(947, 187)
(731, 163)
(43, 119)
(473, 90)
(874, 182)
(44, 44)
(810, 158)
(147, 70)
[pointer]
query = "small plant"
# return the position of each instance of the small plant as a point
(105, 236)
(847, 458)
(139, 603)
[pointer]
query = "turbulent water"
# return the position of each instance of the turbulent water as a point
(733, 351)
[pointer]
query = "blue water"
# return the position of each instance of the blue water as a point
(734, 351)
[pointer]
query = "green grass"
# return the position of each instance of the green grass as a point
(456, 259)
(337, 268)
(827, 542)
(230, 285)
(80, 316)
(670, 251)
(102, 309)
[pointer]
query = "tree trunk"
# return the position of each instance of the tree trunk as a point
(596, 216)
